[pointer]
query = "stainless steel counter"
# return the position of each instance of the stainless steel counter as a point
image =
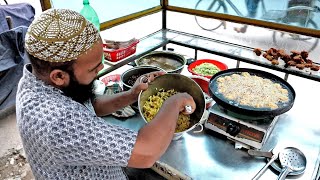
(208, 155)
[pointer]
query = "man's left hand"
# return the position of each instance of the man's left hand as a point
(142, 82)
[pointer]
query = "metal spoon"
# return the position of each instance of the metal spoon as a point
(292, 160)
(259, 174)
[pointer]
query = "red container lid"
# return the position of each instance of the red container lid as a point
(219, 64)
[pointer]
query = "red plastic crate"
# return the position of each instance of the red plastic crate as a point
(115, 55)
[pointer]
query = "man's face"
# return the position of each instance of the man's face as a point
(85, 69)
(87, 66)
(78, 92)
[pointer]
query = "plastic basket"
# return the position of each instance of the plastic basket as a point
(115, 55)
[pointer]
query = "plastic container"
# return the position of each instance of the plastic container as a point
(219, 64)
(203, 82)
(115, 55)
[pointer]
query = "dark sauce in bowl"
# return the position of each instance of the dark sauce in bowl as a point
(165, 63)
(132, 79)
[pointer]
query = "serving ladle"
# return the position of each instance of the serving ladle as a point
(292, 161)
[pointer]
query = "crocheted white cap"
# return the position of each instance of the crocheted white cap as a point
(60, 35)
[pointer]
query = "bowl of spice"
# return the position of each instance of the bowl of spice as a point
(206, 67)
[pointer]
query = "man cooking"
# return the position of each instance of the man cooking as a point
(62, 133)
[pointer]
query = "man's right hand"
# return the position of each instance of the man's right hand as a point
(182, 100)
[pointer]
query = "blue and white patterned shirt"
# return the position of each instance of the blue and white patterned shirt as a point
(63, 139)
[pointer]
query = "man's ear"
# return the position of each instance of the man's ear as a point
(59, 78)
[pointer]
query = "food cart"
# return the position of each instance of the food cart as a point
(292, 26)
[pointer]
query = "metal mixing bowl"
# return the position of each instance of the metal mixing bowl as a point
(169, 61)
(179, 83)
(128, 78)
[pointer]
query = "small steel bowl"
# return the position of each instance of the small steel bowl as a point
(129, 77)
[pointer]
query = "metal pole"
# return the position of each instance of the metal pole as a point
(164, 4)
(195, 54)
(238, 63)
(286, 76)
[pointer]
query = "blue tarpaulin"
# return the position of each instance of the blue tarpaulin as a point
(22, 14)
(12, 59)
(12, 56)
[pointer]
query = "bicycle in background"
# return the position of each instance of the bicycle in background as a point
(299, 12)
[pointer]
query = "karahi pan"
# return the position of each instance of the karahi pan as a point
(237, 108)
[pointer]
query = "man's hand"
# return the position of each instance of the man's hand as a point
(142, 82)
(184, 101)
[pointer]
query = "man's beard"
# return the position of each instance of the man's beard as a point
(78, 92)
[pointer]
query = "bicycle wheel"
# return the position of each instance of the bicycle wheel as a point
(217, 6)
(285, 40)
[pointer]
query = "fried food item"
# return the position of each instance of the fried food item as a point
(291, 63)
(296, 58)
(272, 52)
(276, 57)
(308, 61)
(294, 52)
(307, 65)
(300, 66)
(264, 55)
(269, 57)
(315, 68)
(281, 53)
(258, 51)
(304, 54)
(286, 58)
(275, 62)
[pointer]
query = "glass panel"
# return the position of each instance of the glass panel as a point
(302, 13)
(108, 10)
(227, 42)
(250, 36)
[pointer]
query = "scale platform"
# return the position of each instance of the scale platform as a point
(247, 133)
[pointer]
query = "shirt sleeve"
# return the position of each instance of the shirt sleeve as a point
(77, 136)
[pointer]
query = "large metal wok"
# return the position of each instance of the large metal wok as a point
(249, 111)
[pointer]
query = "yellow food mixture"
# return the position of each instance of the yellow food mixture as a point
(154, 103)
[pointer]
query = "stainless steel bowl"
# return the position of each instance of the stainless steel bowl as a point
(169, 61)
(179, 83)
(129, 77)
